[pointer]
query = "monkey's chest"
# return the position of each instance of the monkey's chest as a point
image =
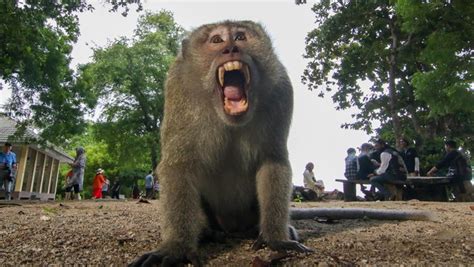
(230, 189)
(231, 202)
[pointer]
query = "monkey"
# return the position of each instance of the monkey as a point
(224, 159)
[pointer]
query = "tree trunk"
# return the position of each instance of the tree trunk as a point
(154, 154)
(392, 91)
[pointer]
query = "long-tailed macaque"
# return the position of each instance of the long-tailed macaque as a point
(224, 167)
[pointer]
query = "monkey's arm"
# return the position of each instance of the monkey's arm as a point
(273, 186)
(181, 217)
(359, 213)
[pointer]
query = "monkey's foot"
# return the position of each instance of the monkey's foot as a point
(162, 258)
(281, 245)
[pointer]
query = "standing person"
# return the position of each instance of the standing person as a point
(310, 182)
(351, 164)
(8, 166)
(77, 179)
(149, 185)
(105, 187)
(67, 195)
(410, 157)
(97, 183)
(391, 168)
(135, 190)
(115, 190)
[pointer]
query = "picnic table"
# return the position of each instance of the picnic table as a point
(428, 187)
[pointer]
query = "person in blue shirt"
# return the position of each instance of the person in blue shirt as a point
(149, 185)
(8, 169)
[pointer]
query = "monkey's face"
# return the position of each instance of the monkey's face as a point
(232, 54)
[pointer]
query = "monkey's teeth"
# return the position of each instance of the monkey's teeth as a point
(227, 66)
(247, 74)
(237, 65)
(221, 76)
(233, 65)
(233, 110)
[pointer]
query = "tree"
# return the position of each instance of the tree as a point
(128, 76)
(392, 45)
(444, 77)
(99, 155)
(36, 42)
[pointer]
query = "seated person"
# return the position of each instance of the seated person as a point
(459, 169)
(351, 164)
(310, 182)
(391, 168)
(365, 168)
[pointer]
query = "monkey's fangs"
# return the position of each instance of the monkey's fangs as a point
(233, 65)
(235, 100)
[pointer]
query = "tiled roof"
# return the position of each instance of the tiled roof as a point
(7, 133)
(8, 129)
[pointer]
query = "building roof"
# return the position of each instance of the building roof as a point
(7, 133)
(8, 129)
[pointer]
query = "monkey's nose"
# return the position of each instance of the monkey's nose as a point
(231, 50)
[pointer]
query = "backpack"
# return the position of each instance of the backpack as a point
(462, 169)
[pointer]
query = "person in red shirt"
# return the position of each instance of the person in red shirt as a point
(99, 180)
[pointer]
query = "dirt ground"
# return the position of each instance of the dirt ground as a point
(115, 232)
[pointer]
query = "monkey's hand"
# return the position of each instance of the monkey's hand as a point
(281, 245)
(167, 255)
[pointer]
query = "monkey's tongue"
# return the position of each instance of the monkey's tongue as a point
(233, 93)
(234, 100)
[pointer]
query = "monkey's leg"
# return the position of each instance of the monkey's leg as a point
(273, 190)
(182, 220)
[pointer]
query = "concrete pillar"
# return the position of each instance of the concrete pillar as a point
(21, 166)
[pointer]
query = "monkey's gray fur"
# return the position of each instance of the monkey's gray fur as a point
(223, 168)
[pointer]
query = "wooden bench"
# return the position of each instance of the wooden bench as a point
(395, 187)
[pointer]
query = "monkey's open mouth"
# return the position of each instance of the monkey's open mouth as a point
(233, 78)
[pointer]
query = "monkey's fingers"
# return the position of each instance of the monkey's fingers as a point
(147, 259)
(194, 259)
(259, 243)
(289, 245)
(180, 261)
(156, 258)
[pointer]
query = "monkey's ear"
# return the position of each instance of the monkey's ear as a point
(184, 48)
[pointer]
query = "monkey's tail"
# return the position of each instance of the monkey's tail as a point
(360, 213)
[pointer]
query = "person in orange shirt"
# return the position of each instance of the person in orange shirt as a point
(99, 180)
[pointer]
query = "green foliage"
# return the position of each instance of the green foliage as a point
(36, 43)
(37, 38)
(423, 48)
(99, 155)
(128, 77)
(445, 83)
(298, 198)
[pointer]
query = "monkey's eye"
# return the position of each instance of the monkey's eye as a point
(216, 39)
(240, 36)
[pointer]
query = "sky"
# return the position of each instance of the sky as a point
(315, 133)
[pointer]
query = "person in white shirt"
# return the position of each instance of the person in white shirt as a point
(391, 168)
(310, 182)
